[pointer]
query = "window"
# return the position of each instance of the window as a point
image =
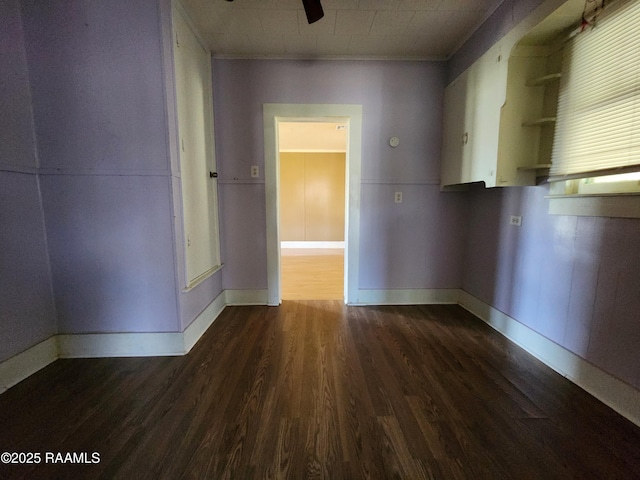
(596, 148)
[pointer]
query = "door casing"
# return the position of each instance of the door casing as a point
(273, 113)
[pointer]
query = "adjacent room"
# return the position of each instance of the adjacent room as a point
(312, 172)
(319, 239)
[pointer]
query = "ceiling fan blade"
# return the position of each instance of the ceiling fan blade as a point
(313, 9)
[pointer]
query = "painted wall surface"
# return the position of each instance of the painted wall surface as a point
(575, 280)
(101, 127)
(415, 244)
(110, 242)
(27, 313)
(401, 99)
(506, 16)
(96, 77)
(17, 147)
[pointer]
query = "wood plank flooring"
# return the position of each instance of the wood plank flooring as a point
(312, 274)
(315, 389)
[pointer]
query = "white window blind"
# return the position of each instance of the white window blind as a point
(598, 119)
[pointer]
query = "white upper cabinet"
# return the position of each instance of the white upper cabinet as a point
(472, 121)
(499, 114)
(490, 92)
(456, 151)
(194, 102)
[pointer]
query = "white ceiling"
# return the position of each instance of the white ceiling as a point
(400, 29)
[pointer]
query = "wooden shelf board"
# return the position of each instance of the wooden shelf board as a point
(538, 122)
(537, 82)
(540, 166)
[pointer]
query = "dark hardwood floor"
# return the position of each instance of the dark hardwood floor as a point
(314, 389)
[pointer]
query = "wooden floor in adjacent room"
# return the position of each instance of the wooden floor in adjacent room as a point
(315, 389)
(312, 273)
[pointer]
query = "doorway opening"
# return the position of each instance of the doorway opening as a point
(277, 115)
(312, 203)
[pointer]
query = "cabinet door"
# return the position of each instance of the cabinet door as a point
(473, 104)
(490, 86)
(456, 137)
(197, 158)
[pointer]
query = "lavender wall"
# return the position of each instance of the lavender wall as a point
(96, 76)
(575, 280)
(27, 313)
(110, 242)
(17, 147)
(413, 245)
(87, 190)
(399, 98)
(101, 126)
(506, 16)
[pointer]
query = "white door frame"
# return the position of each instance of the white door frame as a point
(273, 113)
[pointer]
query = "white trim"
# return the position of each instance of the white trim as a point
(25, 364)
(95, 345)
(293, 244)
(151, 344)
(615, 393)
(618, 395)
(210, 255)
(98, 345)
(246, 297)
(196, 329)
(201, 278)
(180, 8)
(407, 296)
(620, 205)
(274, 113)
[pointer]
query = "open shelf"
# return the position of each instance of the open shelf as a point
(543, 80)
(540, 166)
(539, 122)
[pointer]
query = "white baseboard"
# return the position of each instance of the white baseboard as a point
(246, 297)
(24, 364)
(21, 366)
(160, 344)
(139, 344)
(97, 345)
(407, 297)
(615, 393)
(201, 324)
